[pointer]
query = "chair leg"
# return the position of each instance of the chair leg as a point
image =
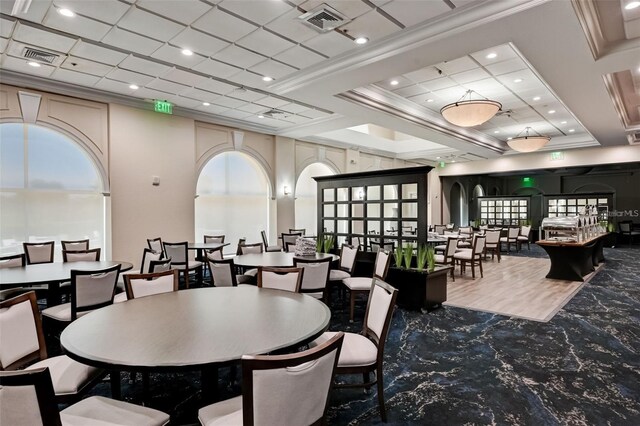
(481, 273)
(186, 278)
(379, 382)
(473, 269)
(353, 304)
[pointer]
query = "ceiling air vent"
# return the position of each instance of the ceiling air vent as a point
(324, 18)
(275, 113)
(39, 55)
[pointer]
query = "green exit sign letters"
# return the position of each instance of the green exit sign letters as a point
(163, 106)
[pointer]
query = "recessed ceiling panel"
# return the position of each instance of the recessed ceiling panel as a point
(98, 54)
(299, 57)
(239, 57)
(198, 42)
(141, 22)
(223, 25)
(414, 12)
(42, 38)
(86, 66)
(174, 55)
(132, 42)
(265, 42)
(109, 11)
(79, 25)
(184, 11)
(143, 66)
(216, 68)
(258, 11)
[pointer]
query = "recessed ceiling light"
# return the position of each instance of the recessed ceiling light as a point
(393, 82)
(267, 78)
(437, 158)
(66, 12)
(492, 55)
(361, 40)
(187, 52)
(517, 80)
(206, 103)
(509, 139)
(133, 87)
(34, 64)
(632, 5)
(496, 132)
(429, 100)
(572, 130)
(563, 122)
(453, 161)
(261, 116)
(552, 111)
(536, 98)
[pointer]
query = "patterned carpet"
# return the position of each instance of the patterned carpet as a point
(455, 366)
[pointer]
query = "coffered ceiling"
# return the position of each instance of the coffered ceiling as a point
(321, 84)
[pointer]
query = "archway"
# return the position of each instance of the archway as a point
(459, 209)
(306, 196)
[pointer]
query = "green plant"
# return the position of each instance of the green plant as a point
(611, 227)
(398, 256)
(408, 255)
(328, 243)
(476, 223)
(421, 258)
(431, 258)
(319, 243)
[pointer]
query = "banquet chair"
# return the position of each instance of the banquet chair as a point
(75, 245)
(287, 279)
(140, 285)
(215, 254)
(23, 342)
(439, 229)
(288, 389)
(315, 277)
(28, 398)
(473, 256)
(363, 353)
(160, 265)
(223, 273)
(466, 234)
(289, 241)
(376, 246)
(626, 230)
(524, 237)
(244, 248)
(511, 238)
(39, 252)
(362, 285)
(300, 231)
(148, 256)
(267, 247)
(179, 254)
(492, 243)
(210, 239)
(89, 255)
(446, 258)
(13, 260)
(156, 245)
(346, 266)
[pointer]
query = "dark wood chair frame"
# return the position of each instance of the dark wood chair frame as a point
(519, 242)
(281, 271)
(301, 231)
(511, 240)
(40, 379)
(243, 245)
(185, 271)
(9, 293)
(448, 260)
(270, 362)
(208, 238)
(159, 239)
(76, 273)
(145, 252)
(64, 244)
(232, 266)
(21, 256)
(353, 294)
(265, 241)
(495, 251)
(155, 263)
(297, 261)
(149, 276)
(338, 283)
(475, 257)
(285, 245)
(25, 247)
(95, 251)
(379, 341)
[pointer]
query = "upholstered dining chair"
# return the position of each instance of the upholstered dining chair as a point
(439, 229)
(362, 285)
(140, 285)
(90, 290)
(388, 245)
(39, 252)
(179, 254)
(265, 241)
(160, 265)
(75, 245)
(289, 241)
(208, 239)
(23, 343)
(223, 273)
(447, 257)
(316, 276)
(156, 244)
(244, 248)
(473, 256)
(524, 237)
(363, 353)
(148, 256)
(13, 261)
(89, 255)
(345, 268)
(492, 243)
(300, 231)
(300, 381)
(287, 279)
(28, 398)
(511, 238)
(626, 230)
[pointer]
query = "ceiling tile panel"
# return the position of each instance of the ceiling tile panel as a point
(198, 42)
(185, 102)
(216, 86)
(258, 11)
(297, 119)
(246, 95)
(153, 26)
(411, 12)
(35, 12)
(253, 108)
(6, 27)
(143, 66)
(97, 53)
(75, 77)
(330, 44)
(400, 83)
(223, 25)
(247, 78)
(132, 42)
(184, 11)
(314, 113)
(371, 25)
(272, 102)
(504, 67)
(438, 83)
(289, 26)
(20, 65)
(212, 108)
(294, 108)
(3, 44)
(455, 66)
(265, 42)
(502, 53)
(228, 102)
(349, 8)
(79, 25)
(424, 74)
(115, 86)
(451, 94)
(129, 77)
(216, 69)
(235, 113)
(184, 77)
(470, 76)
(299, 57)
(109, 11)
(174, 55)
(86, 66)
(167, 86)
(238, 57)
(44, 39)
(273, 69)
(201, 95)
(412, 90)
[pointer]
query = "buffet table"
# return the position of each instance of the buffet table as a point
(571, 261)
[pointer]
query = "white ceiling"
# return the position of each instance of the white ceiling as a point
(111, 44)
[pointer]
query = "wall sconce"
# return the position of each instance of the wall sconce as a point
(287, 190)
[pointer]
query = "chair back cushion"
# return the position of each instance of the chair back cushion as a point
(524, 231)
(215, 254)
(289, 241)
(288, 279)
(214, 239)
(348, 257)
(315, 275)
(12, 261)
(39, 252)
(624, 226)
(493, 237)
(452, 244)
(513, 233)
(93, 289)
(75, 245)
(140, 285)
(382, 264)
(222, 272)
(18, 330)
(379, 307)
(159, 265)
(251, 248)
(177, 252)
(92, 255)
(439, 229)
(147, 256)
(155, 244)
(479, 243)
(27, 398)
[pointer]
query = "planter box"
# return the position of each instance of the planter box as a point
(420, 289)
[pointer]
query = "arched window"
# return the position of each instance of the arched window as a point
(232, 199)
(50, 189)
(306, 210)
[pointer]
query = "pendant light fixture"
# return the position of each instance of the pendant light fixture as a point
(468, 112)
(525, 141)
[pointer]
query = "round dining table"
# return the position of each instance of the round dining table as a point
(275, 259)
(195, 329)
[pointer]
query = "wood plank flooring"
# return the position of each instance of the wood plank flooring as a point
(515, 287)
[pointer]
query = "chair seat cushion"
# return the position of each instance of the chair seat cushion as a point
(523, 238)
(463, 254)
(227, 412)
(98, 410)
(61, 312)
(358, 283)
(439, 258)
(338, 275)
(68, 376)
(357, 350)
(120, 297)
(252, 272)
(244, 279)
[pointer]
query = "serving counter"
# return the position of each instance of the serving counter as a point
(572, 260)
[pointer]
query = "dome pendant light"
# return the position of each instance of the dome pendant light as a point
(469, 112)
(528, 142)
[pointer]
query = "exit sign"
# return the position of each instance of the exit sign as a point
(441, 164)
(163, 107)
(557, 156)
